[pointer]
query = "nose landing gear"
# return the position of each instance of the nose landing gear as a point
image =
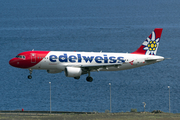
(29, 76)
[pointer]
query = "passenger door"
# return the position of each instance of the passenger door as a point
(33, 58)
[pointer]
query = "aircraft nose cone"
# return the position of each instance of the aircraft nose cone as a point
(13, 62)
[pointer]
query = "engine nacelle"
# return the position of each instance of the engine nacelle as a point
(54, 71)
(73, 72)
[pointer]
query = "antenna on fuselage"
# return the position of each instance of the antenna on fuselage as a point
(32, 49)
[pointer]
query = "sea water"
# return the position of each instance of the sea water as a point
(92, 26)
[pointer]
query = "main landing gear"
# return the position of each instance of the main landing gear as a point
(89, 78)
(29, 76)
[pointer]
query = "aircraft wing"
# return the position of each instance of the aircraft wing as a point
(98, 66)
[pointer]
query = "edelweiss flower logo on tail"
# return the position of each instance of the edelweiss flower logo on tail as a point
(151, 44)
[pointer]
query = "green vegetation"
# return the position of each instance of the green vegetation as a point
(133, 110)
(107, 111)
(95, 116)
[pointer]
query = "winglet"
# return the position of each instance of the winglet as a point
(150, 45)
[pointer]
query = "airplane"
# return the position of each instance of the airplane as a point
(74, 64)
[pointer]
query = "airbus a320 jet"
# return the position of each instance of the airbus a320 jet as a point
(75, 64)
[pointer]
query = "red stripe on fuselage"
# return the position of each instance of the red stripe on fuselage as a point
(31, 59)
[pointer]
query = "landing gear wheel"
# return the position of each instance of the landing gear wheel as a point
(29, 76)
(89, 79)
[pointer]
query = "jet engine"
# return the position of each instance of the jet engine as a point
(73, 72)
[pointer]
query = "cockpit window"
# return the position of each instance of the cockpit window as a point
(20, 56)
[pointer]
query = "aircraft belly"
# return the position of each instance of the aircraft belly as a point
(37, 66)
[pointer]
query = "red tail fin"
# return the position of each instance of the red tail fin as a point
(150, 45)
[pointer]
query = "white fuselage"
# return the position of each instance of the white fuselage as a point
(58, 61)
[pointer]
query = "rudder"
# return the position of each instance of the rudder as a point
(151, 44)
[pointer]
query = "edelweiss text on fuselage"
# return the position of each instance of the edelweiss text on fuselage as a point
(79, 58)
